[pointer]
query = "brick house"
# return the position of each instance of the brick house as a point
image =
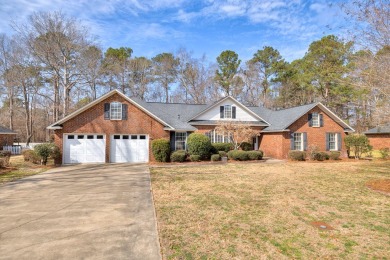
(116, 128)
(7, 136)
(379, 137)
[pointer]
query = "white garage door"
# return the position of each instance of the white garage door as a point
(84, 148)
(129, 148)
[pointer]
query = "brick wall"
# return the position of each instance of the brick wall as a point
(6, 139)
(92, 121)
(379, 141)
(277, 145)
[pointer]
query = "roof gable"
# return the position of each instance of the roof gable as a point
(57, 125)
(212, 112)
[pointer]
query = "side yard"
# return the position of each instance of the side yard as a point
(256, 211)
(19, 169)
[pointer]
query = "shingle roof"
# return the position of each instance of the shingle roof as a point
(379, 130)
(176, 115)
(4, 130)
(281, 119)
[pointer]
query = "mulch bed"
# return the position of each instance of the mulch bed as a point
(6, 170)
(382, 185)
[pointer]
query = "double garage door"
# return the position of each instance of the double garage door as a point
(91, 148)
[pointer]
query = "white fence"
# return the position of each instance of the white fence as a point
(30, 145)
(14, 149)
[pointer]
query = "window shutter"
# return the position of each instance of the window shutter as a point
(327, 141)
(124, 111)
(339, 140)
(106, 111)
(221, 111)
(304, 141)
(321, 120)
(233, 112)
(309, 117)
(292, 141)
(172, 140)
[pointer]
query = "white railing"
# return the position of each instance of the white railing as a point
(14, 149)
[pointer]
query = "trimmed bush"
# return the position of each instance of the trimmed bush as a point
(199, 144)
(226, 147)
(358, 144)
(317, 156)
(194, 158)
(385, 152)
(255, 155)
(335, 155)
(222, 153)
(4, 158)
(215, 157)
(238, 155)
(297, 155)
(31, 156)
(161, 150)
(178, 156)
(245, 146)
(325, 155)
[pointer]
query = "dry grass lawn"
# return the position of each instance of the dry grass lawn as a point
(265, 211)
(20, 169)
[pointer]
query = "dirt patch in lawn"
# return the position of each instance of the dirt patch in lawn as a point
(380, 185)
(321, 225)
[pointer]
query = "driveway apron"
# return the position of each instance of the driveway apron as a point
(80, 212)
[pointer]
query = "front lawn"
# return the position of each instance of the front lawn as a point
(258, 211)
(20, 169)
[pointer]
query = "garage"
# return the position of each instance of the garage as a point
(84, 148)
(129, 148)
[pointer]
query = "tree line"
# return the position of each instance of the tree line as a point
(52, 66)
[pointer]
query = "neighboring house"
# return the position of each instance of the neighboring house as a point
(7, 137)
(116, 128)
(379, 137)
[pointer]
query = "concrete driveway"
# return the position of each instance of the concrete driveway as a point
(80, 212)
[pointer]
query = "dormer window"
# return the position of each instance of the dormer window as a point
(228, 111)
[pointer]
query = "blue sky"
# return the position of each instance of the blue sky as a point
(205, 27)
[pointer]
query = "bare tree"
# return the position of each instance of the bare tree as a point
(165, 71)
(57, 42)
(90, 67)
(239, 132)
(141, 76)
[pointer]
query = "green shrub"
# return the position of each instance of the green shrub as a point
(222, 153)
(334, 155)
(31, 156)
(238, 155)
(46, 150)
(325, 155)
(161, 149)
(226, 147)
(358, 144)
(178, 156)
(215, 157)
(4, 158)
(317, 156)
(245, 146)
(194, 158)
(255, 155)
(199, 144)
(385, 152)
(297, 155)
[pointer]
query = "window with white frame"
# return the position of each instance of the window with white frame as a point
(228, 111)
(218, 138)
(180, 140)
(116, 111)
(333, 141)
(298, 141)
(315, 119)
